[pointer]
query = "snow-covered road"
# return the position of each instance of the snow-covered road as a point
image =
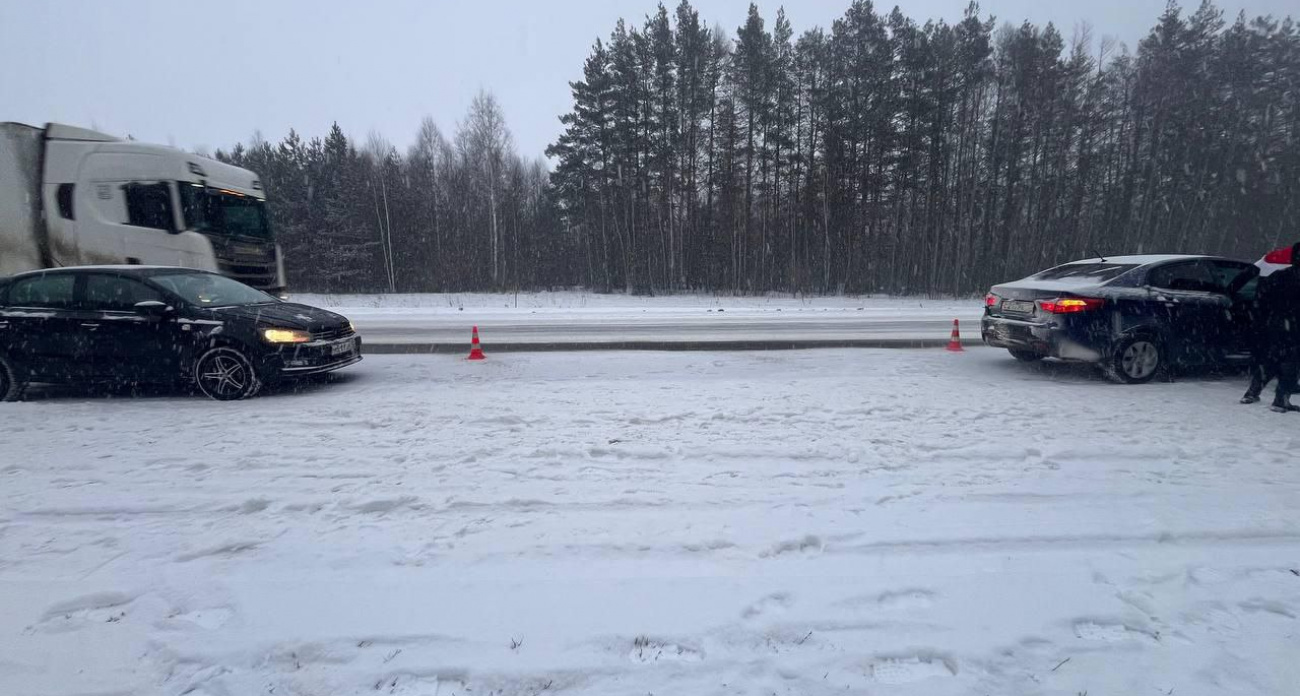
(815, 522)
(582, 318)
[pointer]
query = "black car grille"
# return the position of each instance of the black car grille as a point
(333, 334)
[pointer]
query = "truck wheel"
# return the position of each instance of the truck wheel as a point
(1025, 355)
(225, 374)
(12, 385)
(1135, 360)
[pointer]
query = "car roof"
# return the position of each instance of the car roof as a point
(1148, 259)
(1141, 263)
(128, 269)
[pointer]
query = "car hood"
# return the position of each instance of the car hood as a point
(288, 315)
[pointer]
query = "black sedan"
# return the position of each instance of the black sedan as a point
(1132, 315)
(142, 324)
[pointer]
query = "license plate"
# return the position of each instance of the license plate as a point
(342, 347)
(1018, 306)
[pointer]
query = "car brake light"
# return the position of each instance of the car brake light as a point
(1070, 305)
(991, 300)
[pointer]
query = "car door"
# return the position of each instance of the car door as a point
(1238, 281)
(42, 327)
(128, 345)
(1196, 313)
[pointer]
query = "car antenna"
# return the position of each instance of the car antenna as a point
(1099, 256)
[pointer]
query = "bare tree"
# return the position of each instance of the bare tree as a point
(382, 154)
(485, 143)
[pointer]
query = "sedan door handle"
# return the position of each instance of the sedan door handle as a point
(92, 325)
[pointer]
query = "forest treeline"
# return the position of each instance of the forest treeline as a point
(466, 213)
(879, 155)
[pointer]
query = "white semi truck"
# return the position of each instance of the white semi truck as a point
(71, 196)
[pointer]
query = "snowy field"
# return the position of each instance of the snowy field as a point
(568, 317)
(814, 522)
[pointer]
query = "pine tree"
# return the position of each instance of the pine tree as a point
(886, 154)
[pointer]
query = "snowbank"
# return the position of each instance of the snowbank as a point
(583, 303)
(582, 317)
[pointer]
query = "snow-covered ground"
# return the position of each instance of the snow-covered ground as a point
(815, 522)
(581, 302)
(573, 317)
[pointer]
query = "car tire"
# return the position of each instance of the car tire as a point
(1135, 360)
(226, 374)
(12, 385)
(1027, 356)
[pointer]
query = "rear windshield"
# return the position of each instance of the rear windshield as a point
(1099, 271)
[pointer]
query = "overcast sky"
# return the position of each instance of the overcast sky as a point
(197, 74)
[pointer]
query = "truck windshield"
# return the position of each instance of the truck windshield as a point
(215, 211)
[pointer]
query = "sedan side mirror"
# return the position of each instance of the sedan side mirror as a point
(153, 309)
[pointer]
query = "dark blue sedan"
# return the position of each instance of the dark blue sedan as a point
(1132, 315)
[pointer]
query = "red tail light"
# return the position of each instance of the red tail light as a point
(1281, 257)
(1071, 305)
(991, 300)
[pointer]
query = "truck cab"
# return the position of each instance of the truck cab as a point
(111, 201)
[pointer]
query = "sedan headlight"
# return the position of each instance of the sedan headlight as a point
(285, 336)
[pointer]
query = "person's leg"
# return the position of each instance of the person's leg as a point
(1287, 375)
(1259, 376)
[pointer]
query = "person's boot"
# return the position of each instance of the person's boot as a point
(1256, 386)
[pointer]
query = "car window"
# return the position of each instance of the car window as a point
(1232, 276)
(115, 293)
(52, 290)
(1249, 290)
(1096, 271)
(1186, 276)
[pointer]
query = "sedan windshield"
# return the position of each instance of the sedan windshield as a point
(211, 290)
(224, 212)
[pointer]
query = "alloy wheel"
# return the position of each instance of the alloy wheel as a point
(1140, 359)
(225, 374)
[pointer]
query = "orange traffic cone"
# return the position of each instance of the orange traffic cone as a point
(475, 351)
(954, 343)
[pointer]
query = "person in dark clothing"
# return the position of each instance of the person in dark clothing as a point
(1261, 373)
(1277, 333)
(1261, 370)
